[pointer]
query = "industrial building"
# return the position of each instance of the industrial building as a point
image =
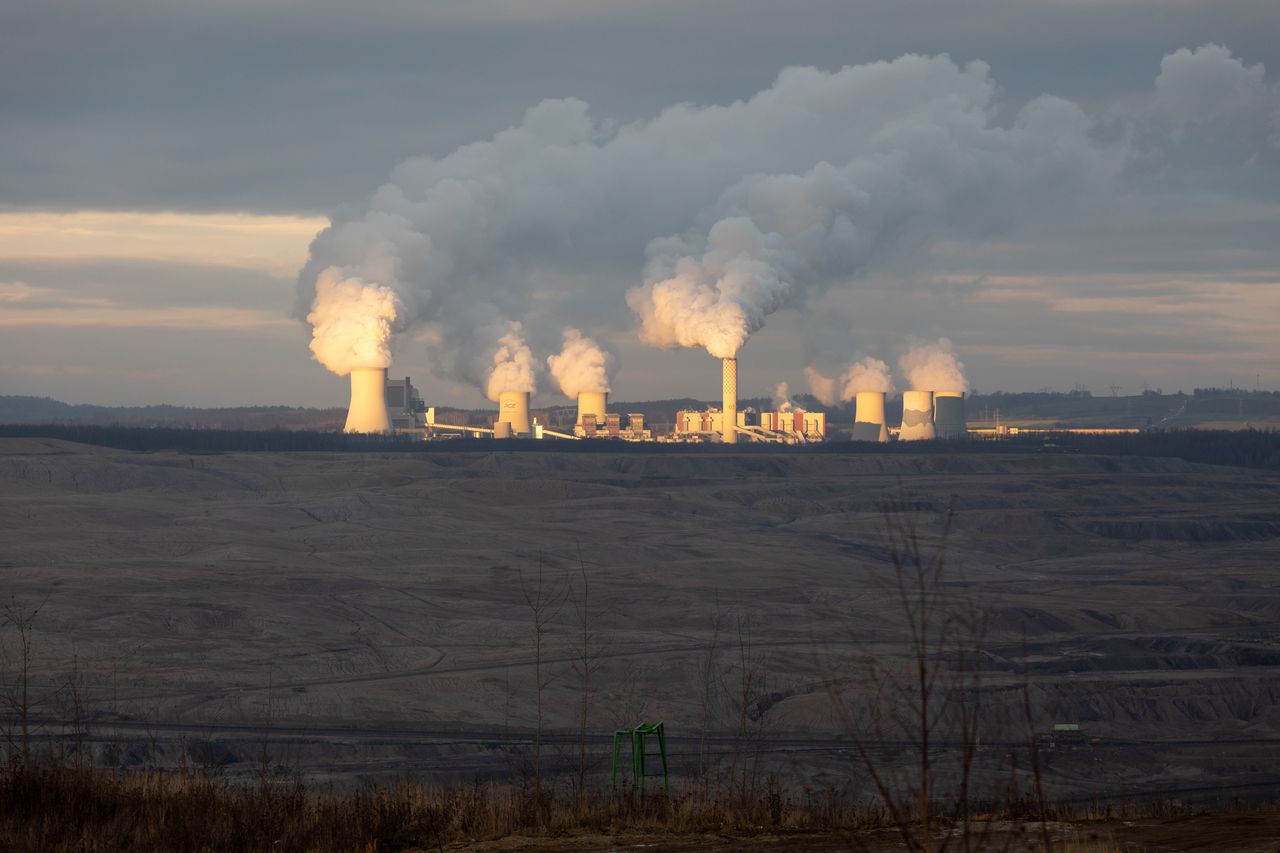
(380, 404)
(795, 425)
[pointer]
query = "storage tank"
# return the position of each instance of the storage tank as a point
(917, 416)
(948, 414)
(513, 408)
(368, 409)
(592, 403)
(730, 407)
(868, 419)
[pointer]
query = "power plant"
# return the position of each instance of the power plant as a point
(917, 416)
(869, 421)
(383, 405)
(368, 409)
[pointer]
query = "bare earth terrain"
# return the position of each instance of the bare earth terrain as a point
(360, 616)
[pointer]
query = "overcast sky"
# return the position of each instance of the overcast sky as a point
(165, 165)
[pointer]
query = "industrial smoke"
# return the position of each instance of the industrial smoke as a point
(866, 374)
(511, 365)
(580, 366)
(933, 366)
(351, 322)
(782, 397)
(738, 210)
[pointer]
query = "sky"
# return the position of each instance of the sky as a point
(166, 166)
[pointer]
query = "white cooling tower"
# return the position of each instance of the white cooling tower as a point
(730, 406)
(513, 408)
(868, 420)
(592, 403)
(948, 414)
(917, 416)
(368, 409)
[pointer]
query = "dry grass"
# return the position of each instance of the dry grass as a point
(58, 806)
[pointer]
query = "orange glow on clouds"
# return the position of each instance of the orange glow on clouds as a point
(273, 244)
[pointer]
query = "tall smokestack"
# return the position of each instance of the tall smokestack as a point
(592, 403)
(868, 420)
(730, 406)
(917, 416)
(513, 408)
(948, 414)
(368, 409)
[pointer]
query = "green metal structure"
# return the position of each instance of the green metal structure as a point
(636, 737)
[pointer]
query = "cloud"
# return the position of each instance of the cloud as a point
(1197, 85)
(272, 244)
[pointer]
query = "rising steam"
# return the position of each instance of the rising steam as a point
(782, 398)
(351, 322)
(511, 364)
(581, 365)
(867, 374)
(738, 210)
(933, 366)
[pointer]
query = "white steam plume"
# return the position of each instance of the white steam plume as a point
(782, 397)
(511, 364)
(351, 322)
(739, 210)
(866, 374)
(933, 366)
(581, 365)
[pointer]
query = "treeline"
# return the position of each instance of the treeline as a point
(1239, 448)
(44, 410)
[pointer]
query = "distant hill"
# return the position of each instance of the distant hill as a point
(43, 410)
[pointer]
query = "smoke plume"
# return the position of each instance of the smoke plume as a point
(581, 365)
(933, 367)
(511, 364)
(866, 374)
(782, 397)
(739, 211)
(351, 322)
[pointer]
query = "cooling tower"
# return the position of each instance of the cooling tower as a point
(917, 416)
(368, 409)
(592, 403)
(513, 408)
(868, 420)
(730, 406)
(948, 414)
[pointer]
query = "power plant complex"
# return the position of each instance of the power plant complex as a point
(383, 405)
